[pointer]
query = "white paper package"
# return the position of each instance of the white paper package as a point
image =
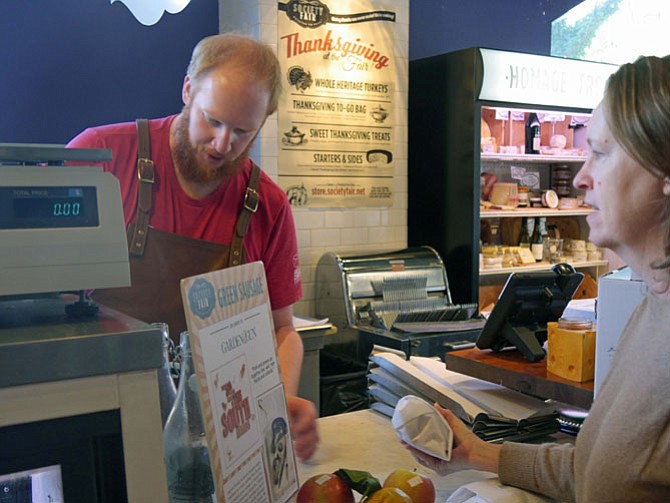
(418, 424)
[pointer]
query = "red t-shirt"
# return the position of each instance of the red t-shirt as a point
(271, 236)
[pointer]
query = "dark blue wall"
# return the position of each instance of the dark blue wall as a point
(69, 64)
(439, 26)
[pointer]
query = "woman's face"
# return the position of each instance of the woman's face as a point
(619, 189)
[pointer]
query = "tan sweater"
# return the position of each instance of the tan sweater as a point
(622, 453)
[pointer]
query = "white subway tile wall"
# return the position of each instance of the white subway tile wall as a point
(340, 230)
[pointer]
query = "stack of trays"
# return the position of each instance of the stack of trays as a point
(495, 413)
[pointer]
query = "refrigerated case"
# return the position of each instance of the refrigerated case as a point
(456, 101)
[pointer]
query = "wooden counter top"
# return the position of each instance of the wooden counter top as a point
(512, 370)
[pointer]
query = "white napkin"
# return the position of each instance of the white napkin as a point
(418, 423)
(492, 491)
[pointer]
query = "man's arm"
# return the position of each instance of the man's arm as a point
(289, 347)
(302, 413)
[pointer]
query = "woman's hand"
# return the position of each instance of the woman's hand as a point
(468, 452)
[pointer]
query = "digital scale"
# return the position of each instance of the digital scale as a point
(62, 233)
(61, 227)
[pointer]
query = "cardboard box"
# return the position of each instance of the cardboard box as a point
(619, 293)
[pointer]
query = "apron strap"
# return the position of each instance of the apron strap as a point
(145, 172)
(249, 207)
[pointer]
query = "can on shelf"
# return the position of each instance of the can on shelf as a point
(561, 179)
(523, 195)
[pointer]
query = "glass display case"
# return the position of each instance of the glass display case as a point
(473, 177)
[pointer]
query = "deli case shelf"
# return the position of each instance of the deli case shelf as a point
(534, 212)
(540, 266)
(542, 159)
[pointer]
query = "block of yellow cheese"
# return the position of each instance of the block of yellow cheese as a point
(571, 353)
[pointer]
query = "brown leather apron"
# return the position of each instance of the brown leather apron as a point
(159, 260)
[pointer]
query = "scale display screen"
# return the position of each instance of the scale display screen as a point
(32, 207)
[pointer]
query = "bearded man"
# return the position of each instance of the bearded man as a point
(194, 202)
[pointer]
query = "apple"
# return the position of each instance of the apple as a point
(418, 487)
(325, 488)
(388, 495)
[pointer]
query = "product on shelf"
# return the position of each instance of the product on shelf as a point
(533, 137)
(524, 236)
(536, 245)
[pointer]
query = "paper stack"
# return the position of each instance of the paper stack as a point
(390, 377)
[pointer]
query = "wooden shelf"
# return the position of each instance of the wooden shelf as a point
(540, 266)
(543, 159)
(511, 369)
(534, 212)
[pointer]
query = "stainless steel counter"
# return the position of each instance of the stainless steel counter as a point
(54, 367)
(40, 343)
(313, 342)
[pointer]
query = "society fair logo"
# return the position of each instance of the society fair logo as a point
(149, 12)
(201, 298)
(307, 13)
(313, 13)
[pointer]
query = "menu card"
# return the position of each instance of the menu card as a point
(241, 393)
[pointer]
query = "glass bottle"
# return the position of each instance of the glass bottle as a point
(167, 391)
(536, 245)
(532, 134)
(543, 227)
(189, 475)
(524, 237)
(496, 234)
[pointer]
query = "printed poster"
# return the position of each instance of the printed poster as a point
(242, 396)
(336, 115)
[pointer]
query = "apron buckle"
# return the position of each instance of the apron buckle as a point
(145, 170)
(251, 200)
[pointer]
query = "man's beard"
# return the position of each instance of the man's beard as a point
(195, 170)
